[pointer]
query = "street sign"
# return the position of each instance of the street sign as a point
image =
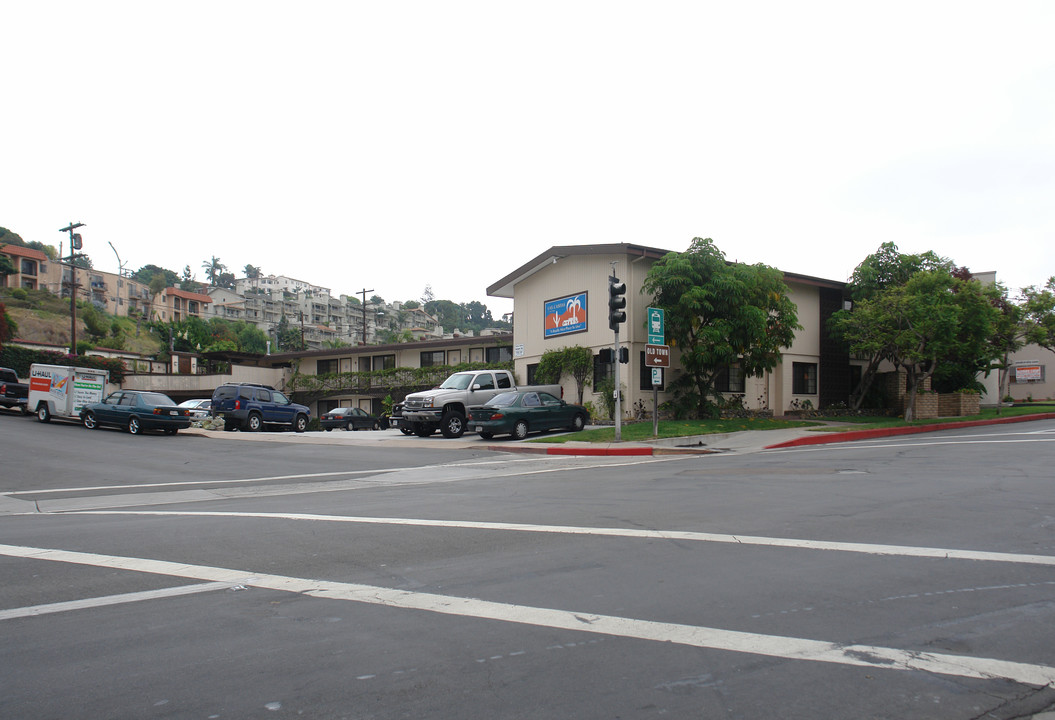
(657, 356)
(657, 376)
(656, 329)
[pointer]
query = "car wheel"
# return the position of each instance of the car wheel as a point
(348, 426)
(377, 425)
(405, 430)
(487, 435)
(328, 429)
(133, 425)
(25, 410)
(578, 422)
(171, 431)
(300, 424)
(520, 430)
(254, 423)
(89, 421)
(43, 414)
(453, 424)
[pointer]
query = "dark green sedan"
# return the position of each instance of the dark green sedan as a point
(518, 413)
(136, 411)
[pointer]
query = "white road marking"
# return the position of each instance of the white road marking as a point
(878, 658)
(35, 610)
(379, 471)
(866, 548)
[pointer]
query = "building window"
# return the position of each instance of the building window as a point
(646, 374)
(497, 355)
(531, 369)
(429, 358)
(327, 367)
(29, 267)
(601, 371)
(731, 379)
(804, 378)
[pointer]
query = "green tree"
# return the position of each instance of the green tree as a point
(576, 361)
(917, 325)
(6, 266)
(213, 268)
(145, 275)
(1038, 307)
(411, 305)
(252, 272)
(720, 313)
(884, 269)
(8, 327)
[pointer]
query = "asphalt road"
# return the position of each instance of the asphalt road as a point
(185, 577)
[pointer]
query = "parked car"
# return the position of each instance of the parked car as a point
(396, 420)
(350, 419)
(520, 412)
(136, 411)
(252, 407)
(199, 407)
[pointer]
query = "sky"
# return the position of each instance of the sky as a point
(390, 146)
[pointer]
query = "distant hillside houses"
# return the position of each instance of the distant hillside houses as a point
(325, 319)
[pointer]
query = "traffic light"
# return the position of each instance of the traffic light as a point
(605, 355)
(616, 303)
(624, 355)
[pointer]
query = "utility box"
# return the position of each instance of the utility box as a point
(62, 391)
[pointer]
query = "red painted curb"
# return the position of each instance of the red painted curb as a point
(849, 436)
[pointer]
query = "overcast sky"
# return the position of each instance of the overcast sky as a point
(391, 145)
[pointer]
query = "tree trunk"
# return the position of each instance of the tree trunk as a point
(911, 383)
(858, 395)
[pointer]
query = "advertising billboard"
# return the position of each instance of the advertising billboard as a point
(565, 315)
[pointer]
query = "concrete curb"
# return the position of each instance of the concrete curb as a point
(851, 435)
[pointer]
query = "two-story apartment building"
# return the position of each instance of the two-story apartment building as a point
(31, 268)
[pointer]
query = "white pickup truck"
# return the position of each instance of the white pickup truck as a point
(446, 407)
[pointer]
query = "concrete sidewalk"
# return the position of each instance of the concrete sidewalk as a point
(748, 441)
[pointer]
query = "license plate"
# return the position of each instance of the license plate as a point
(173, 412)
(479, 428)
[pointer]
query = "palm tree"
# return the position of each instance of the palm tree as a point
(213, 268)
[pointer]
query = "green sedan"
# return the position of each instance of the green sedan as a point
(518, 413)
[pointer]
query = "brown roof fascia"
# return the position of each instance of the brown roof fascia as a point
(468, 340)
(561, 251)
(21, 251)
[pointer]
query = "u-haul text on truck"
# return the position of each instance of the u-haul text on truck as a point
(61, 391)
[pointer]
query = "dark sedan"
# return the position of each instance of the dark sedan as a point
(349, 419)
(524, 411)
(136, 411)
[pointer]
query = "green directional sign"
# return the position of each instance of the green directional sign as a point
(656, 331)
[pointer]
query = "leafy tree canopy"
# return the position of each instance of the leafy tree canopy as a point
(919, 324)
(720, 313)
(147, 273)
(1038, 307)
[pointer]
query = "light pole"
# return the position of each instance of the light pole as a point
(75, 244)
(363, 292)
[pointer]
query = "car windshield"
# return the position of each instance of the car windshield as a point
(155, 399)
(458, 381)
(503, 399)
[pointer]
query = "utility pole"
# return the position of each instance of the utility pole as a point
(75, 245)
(363, 292)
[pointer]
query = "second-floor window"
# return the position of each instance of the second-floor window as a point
(327, 367)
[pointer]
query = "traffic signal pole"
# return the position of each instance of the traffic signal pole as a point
(616, 317)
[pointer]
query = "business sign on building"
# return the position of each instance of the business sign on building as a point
(566, 315)
(1029, 373)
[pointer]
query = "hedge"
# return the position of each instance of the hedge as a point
(19, 359)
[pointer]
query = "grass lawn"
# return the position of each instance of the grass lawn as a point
(642, 431)
(862, 423)
(638, 431)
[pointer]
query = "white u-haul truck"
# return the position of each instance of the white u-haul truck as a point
(62, 392)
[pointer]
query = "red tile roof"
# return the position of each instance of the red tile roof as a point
(176, 292)
(23, 252)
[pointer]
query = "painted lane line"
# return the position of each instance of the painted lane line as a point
(877, 658)
(796, 543)
(35, 610)
(308, 476)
